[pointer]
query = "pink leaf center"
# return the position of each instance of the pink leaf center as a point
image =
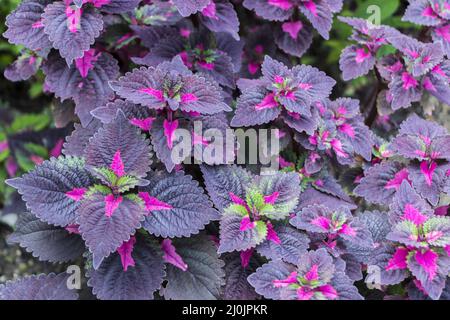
(292, 278)
(410, 213)
(312, 274)
(395, 182)
(427, 171)
(111, 204)
(76, 194)
(398, 260)
(268, 102)
(270, 199)
(272, 235)
(245, 257)
(247, 224)
(125, 251)
(143, 124)
(171, 256)
(117, 165)
(361, 55)
(169, 131)
(282, 4)
(293, 28)
(86, 63)
(428, 261)
(408, 81)
(153, 204)
(158, 94)
(73, 18)
(347, 129)
(210, 11)
(311, 7)
(188, 98)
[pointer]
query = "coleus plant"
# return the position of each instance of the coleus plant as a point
(147, 229)
(419, 155)
(418, 244)
(433, 14)
(294, 35)
(99, 202)
(414, 69)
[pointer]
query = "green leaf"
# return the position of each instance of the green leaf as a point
(34, 122)
(387, 8)
(36, 149)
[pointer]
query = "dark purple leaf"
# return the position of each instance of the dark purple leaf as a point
(190, 208)
(44, 189)
(46, 242)
(72, 39)
(204, 276)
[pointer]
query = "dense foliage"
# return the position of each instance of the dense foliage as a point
(358, 208)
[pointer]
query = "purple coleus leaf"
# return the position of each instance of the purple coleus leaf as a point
(140, 117)
(404, 90)
(431, 270)
(427, 142)
(356, 61)
(422, 12)
(176, 205)
(408, 205)
(38, 287)
(139, 282)
(382, 258)
(246, 223)
(78, 140)
(379, 226)
(173, 86)
(71, 30)
(86, 81)
(204, 276)
(262, 279)
(220, 16)
(292, 245)
(171, 256)
(335, 223)
(25, 26)
(280, 89)
(421, 57)
(236, 284)
(23, 68)
(320, 14)
(422, 140)
(220, 181)
(381, 182)
(441, 34)
(114, 6)
(47, 189)
(46, 242)
(278, 10)
(316, 277)
(188, 7)
(165, 139)
(294, 37)
(311, 196)
(105, 229)
(350, 126)
(217, 56)
(120, 136)
(437, 81)
(428, 179)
